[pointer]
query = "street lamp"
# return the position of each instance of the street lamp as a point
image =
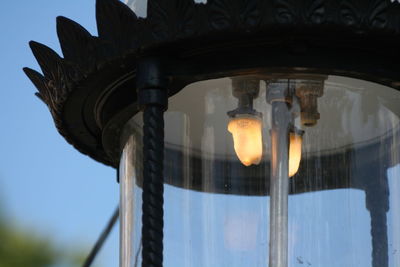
(207, 110)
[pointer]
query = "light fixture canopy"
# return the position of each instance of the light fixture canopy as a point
(108, 95)
(89, 91)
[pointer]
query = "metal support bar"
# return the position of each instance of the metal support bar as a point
(380, 257)
(377, 202)
(278, 243)
(127, 182)
(102, 238)
(152, 96)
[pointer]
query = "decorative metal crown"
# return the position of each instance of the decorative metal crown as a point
(123, 37)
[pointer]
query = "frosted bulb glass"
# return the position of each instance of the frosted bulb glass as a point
(294, 153)
(247, 139)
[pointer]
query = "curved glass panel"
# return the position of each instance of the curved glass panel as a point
(264, 168)
(130, 199)
(140, 6)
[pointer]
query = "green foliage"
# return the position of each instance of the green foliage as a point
(20, 248)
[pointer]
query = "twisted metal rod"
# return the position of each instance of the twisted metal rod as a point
(153, 186)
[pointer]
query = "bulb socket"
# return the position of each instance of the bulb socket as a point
(245, 89)
(308, 94)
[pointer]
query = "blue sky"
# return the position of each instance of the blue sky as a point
(46, 186)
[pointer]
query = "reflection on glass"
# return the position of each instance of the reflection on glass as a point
(343, 150)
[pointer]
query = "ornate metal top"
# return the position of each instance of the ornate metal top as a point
(95, 81)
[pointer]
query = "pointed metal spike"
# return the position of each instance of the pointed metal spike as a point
(76, 42)
(38, 95)
(36, 78)
(117, 23)
(48, 59)
(53, 66)
(40, 83)
(112, 12)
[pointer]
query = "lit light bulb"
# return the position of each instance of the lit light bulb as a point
(294, 153)
(247, 138)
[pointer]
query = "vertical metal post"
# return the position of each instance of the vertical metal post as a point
(279, 184)
(377, 202)
(127, 180)
(153, 98)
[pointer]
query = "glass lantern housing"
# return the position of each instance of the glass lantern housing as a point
(268, 156)
(335, 138)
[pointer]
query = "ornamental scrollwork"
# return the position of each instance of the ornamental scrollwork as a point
(365, 14)
(168, 19)
(229, 15)
(303, 11)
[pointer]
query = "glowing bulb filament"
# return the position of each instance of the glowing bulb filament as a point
(294, 153)
(247, 139)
